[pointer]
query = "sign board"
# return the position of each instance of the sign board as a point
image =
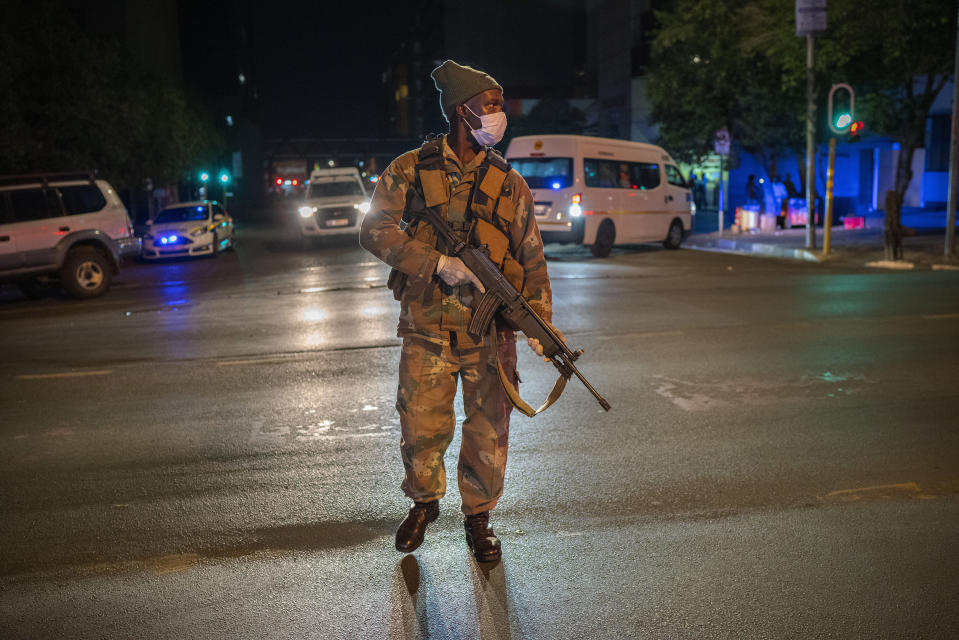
(810, 17)
(722, 141)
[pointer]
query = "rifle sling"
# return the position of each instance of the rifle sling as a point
(513, 393)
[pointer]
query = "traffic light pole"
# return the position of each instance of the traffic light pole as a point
(827, 223)
(810, 147)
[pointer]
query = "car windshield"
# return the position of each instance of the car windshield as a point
(335, 189)
(545, 173)
(182, 214)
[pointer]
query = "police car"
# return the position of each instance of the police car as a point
(198, 228)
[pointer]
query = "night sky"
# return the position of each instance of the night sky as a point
(317, 66)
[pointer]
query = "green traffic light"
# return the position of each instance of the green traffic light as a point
(204, 176)
(224, 177)
(843, 121)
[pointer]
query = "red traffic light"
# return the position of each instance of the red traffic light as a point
(856, 128)
(279, 181)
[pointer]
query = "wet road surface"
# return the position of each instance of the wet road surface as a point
(211, 451)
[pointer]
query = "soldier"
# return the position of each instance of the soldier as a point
(486, 203)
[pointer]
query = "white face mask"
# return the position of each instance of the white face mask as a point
(492, 129)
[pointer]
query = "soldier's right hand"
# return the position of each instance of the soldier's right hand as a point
(453, 272)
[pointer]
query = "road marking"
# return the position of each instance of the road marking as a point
(648, 334)
(881, 490)
(236, 363)
(66, 374)
(942, 316)
(174, 563)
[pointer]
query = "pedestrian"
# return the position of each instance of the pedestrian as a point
(790, 187)
(751, 193)
(484, 202)
(699, 191)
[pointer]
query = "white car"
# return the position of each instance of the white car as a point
(335, 203)
(197, 228)
(62, 229)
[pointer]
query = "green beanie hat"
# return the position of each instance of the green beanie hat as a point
(457, 84)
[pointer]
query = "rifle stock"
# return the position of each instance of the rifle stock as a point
(502, 296)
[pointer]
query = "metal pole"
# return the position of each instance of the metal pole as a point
(721, 195)
(950, 250)
(810, 147)
(827, 224)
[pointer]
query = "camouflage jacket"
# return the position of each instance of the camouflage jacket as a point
(426, 304)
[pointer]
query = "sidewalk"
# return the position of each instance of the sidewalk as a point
(925, 250)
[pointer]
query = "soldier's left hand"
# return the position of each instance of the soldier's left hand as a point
(538, 348)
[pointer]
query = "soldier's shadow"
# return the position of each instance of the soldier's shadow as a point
(409, 616)
(492, 601)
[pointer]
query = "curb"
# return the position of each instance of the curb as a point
(729, 245)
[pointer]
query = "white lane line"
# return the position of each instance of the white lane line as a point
(942, 316)
(66, 374)
(650, 334)
(234, 363)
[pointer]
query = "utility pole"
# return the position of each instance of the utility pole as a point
(810, 146)
(950, 250)
(810, 19)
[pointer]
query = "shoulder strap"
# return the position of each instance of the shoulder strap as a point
(430, 175)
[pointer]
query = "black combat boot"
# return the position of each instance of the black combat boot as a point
(480, 537)
(411, 531)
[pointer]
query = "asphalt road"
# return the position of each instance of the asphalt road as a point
(211, 451)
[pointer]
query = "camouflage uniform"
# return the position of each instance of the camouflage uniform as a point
(433, 321)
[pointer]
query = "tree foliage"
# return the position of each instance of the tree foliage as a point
(69, 101)
(740, 65)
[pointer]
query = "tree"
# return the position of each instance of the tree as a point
(69, 102)
(706, 73)
(724, 63)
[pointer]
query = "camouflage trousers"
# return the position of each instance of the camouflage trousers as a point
(430, 365)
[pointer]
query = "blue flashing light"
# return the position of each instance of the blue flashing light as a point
(374, 178)
(557, 185)
(895, 146)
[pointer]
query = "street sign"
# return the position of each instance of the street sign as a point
(810, 17)
(721, 141)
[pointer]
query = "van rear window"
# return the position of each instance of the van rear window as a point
(545, 173)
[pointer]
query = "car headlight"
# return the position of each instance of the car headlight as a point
(306, 211)
(199, 231)
(364, 208)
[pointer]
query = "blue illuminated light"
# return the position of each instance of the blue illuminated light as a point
(557, 185)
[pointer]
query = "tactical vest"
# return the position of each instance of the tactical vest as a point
(483, 218)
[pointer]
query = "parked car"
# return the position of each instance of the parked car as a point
(62, 229)
(335, 203)
(198, 228)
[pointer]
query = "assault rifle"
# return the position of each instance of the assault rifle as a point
(503, 297)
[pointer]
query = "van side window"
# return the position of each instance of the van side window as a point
(620, 175)
(645, 175)
(675, 177)
(82, 198)
(33, 204)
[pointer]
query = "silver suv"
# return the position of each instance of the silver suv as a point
(66, 229)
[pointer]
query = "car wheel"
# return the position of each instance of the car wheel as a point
(605, 239)
(86, 273)
(675, 236)
(36, 288)
(216, 245)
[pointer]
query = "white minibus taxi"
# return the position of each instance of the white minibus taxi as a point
(603, 192)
